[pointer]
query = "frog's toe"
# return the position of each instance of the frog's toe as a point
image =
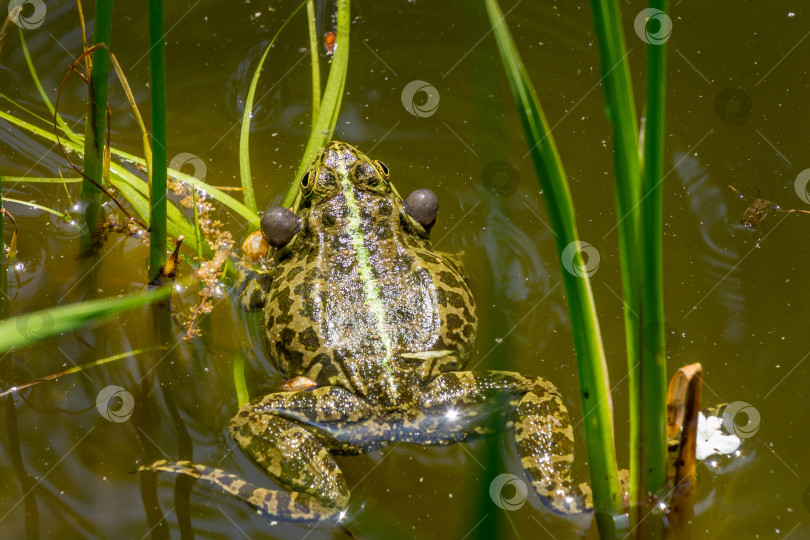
(268, 502)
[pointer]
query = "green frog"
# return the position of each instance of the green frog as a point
(374, 329)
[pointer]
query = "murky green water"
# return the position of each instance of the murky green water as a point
(738, 102)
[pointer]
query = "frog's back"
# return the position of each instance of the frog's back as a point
(359, 289)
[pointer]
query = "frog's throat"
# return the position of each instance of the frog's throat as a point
(370, 285)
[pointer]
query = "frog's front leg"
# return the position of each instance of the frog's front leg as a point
(543, 431)
(252, 288)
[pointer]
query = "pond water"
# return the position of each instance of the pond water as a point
(738, 100)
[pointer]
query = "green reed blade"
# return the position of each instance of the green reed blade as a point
(314, 59)
(62, 125)
(41, 180)
(24, 330)
(244, 135)
(621, 111)
(5, 301)
(38, 207)
(653, 406)
(242, 395)
(96, 125)
(324, 124)
(160, 159)
(78, 369)
(593, 376)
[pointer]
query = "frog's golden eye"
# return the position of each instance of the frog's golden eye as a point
(366, 173)
(382, 167)
(308, 181)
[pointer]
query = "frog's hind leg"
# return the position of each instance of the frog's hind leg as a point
(543, 431)
(283, 434)
(269, 502)
(287, 434)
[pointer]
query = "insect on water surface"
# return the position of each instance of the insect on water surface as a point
(759, 208)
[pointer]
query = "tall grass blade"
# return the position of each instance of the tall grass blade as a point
(96, 124)
(24, 330)
(244, 135)
(77, 369)
(160, 160)
(5, 302)
(621, 111)
(314, 59)
(593, 376)
(653, 406)
(324, 124)
(127, 176)
(45, 99)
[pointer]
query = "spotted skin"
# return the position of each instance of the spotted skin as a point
(360, 303)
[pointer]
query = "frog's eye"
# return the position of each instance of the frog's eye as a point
(308, 181)
(382, 167)
(279, 225)
(366, 173)
(422, 205)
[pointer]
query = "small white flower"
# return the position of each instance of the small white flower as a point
(711, 440)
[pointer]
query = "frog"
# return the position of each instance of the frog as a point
(373, 329)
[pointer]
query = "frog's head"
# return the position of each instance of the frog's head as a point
(341, 166)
